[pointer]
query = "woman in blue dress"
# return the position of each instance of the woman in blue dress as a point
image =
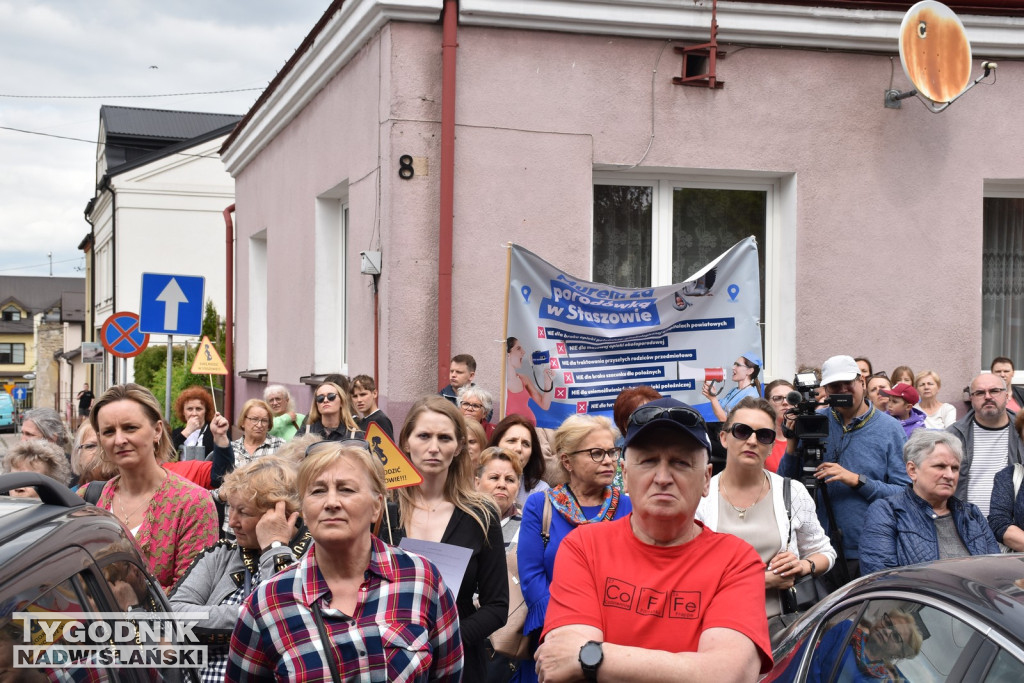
(744, 373)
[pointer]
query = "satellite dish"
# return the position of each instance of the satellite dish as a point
(935, 52)
(936, 57)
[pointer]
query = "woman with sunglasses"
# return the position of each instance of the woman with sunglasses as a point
(586, 451)
(747, 500)
(330, 415)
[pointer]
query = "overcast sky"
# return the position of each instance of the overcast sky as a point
(104, 48)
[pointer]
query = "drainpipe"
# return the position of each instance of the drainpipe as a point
(113, 269)
(444, 262)
(229, 313)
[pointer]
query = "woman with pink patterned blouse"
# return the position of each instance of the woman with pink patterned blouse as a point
(171, 519)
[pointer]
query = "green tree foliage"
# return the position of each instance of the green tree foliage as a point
(150, 365)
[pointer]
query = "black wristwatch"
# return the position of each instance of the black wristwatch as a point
(591, 656)
(861, 480)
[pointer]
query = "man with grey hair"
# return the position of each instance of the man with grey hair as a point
(925, 521)
(475, 404)
(988, 438)
(282, 405)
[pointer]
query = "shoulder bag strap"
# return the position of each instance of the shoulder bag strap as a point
(545, 522)
(326, 642)
(93, 491)
(787, 498)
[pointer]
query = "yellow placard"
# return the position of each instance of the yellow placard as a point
(8, 388)
(398, 471)
(207, 360)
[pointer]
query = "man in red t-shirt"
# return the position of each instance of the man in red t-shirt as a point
(655, 596)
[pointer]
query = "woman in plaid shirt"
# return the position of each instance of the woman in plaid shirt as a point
(381, 613)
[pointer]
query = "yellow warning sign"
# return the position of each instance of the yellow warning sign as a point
(398, 471)
(8, 388)
(207, 360)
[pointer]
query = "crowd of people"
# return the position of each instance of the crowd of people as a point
(612, 546)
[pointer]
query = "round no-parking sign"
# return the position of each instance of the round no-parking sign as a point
(121, 337)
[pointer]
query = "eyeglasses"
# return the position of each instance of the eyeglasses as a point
(87, 447)
(980, 393)
(599, 454)
(742, 432)
(472, 406)
(896, 637)
(687, 417)
(326, 397)
(778, 399)
(358, 443)
(258, 421)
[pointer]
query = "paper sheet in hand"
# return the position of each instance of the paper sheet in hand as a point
(450, 560)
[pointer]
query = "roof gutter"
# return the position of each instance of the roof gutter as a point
(449, 44)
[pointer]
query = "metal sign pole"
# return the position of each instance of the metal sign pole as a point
(124, 371)
(167, 393)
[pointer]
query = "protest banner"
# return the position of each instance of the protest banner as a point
(572, 345)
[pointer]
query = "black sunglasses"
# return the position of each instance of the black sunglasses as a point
(326, 397)
(688, 417)
(358, 443)
(742, 432)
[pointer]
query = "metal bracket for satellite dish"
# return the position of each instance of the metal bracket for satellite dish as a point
(700, 62)
(893, 97)
(936, 57)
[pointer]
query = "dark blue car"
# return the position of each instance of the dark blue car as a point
(953, 620)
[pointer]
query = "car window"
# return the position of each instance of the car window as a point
(900, 640)
(132, 591)
(1005, 669)
(831, 646)
(55, 640)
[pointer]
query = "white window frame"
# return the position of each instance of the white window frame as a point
(779, 247)
(997, 189)
(330, 326)
(258, 300)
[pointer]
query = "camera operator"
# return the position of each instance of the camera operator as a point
(863, 459)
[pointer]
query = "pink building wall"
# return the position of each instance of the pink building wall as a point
(886, 226)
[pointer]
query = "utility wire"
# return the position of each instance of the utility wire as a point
(96, 142)
(40, 265)
(122, 97)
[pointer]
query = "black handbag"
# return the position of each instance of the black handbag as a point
(807, 590)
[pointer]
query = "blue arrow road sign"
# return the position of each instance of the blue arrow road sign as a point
(171, 304)
(19, 393)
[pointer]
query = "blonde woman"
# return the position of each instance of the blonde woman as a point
(330, 415)
(937, 415)
(586, 450)
(171, 519)
(446, 508)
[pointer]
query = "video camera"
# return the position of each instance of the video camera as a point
(810, 426)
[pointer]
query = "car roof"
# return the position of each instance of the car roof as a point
(992, 585)
(31, 529)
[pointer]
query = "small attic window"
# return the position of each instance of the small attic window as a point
(11, 314)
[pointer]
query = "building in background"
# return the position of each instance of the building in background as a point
(160, 193)
(574, 139)
(41, 324)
